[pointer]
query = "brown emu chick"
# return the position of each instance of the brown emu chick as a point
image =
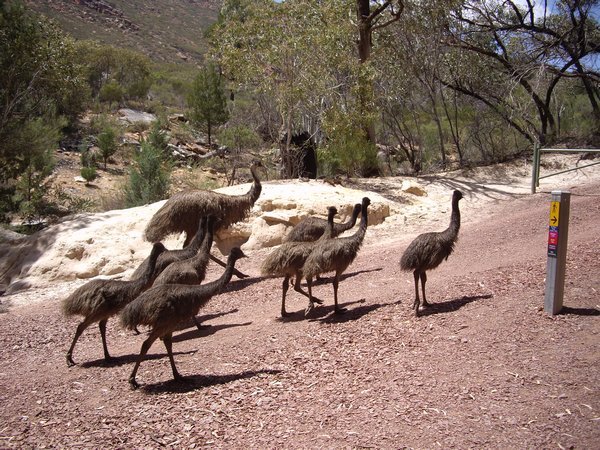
(288, 259)
(169, 256)
(312, 228)
(335, 255)
(98, 300)
(428, 250)
(164, 307)
(192, 270)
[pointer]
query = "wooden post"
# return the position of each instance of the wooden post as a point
(557, 251)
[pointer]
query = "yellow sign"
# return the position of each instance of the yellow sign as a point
(554, 210)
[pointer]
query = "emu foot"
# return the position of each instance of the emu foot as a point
(70, 362)
(340, 310)
(284, 313)
(425, 303)
(136, 331)
(317, 300)
(108, 359)
(197, 323)
(133, 384)
(180, 378)
(239, 274)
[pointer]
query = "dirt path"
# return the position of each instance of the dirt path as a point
(485, 367)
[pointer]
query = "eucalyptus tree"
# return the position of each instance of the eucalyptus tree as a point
(284, 50)
(535, 51)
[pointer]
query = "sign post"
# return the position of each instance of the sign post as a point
(558, 233)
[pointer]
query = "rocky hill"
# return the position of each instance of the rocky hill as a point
(165, 30)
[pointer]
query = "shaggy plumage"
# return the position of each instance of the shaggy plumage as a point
(193, 270)
(428, 250)
(183, 210)
(170, 256)
(98, 300)
(164, 307)
(288, 259)
(312, 228)
(335, 255)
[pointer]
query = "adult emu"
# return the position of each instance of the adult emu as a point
(183, 210)
(335, 255)
(428, 250)
(98, 300)
(312, 228)
(288, 259)
(164, 307)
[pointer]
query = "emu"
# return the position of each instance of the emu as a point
(182, 211)
(98, 300)
(428, 250)
(312, 228)
(336, 255)
(288, 259)
(164, 307)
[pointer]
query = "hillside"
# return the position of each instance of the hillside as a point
(168, 31)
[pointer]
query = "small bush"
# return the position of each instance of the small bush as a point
(149, 179)
(88, 174)
(107, 141)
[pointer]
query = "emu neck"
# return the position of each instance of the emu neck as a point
(214, 287)
(148, 274)
(256, 187)
(364, 222)
(454, 219)
(347, 225)
(199, 237)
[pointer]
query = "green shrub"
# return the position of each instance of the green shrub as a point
(347, 151)
(88, 173)
(149, 179)
(107, 142)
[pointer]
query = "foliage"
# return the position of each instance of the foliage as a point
(115, 74)
(240, 139)
(348, 149)
(111, 92)
(158, 138)
(149, 179)
(88, 173)
(207, 100)
(41, 84)
(107, 142)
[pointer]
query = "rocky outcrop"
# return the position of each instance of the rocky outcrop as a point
(112, 243)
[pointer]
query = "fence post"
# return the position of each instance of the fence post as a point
(557, 251)
(535, 169)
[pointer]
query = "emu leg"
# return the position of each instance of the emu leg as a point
(311, 299)
(102, 326)
(423, 281)
(417, 301)
(145, 347)
(197, 323)
(80, 328)
(284, 288)
(236, 272)
(336, 282)
(299, 289)
(168, 341)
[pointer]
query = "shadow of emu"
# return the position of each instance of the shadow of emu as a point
(452, 305)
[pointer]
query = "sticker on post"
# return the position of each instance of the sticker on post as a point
(554, 210)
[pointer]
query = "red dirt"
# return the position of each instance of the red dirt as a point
(484, 366)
